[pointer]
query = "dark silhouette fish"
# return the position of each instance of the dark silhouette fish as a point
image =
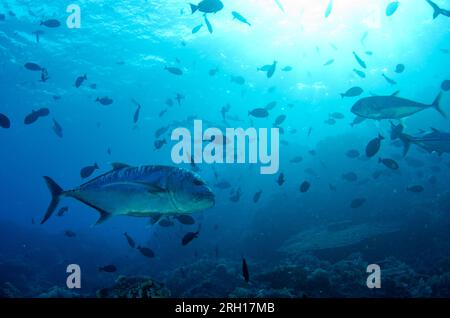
(415, 189)
(359, 60)
(281, 179)
(391, 8)
(259, 113)
(389, 80)
(197, 28)
(269, 69)
(437, 10)
(4, 121)
(174, 70)
(208, 24)
(245, 273)
(108, 269)
(238, 80)
(35, 115)
(33, 67)
(38, 34)
(165, 223)
(239, 17)
(87, 171)
(146, 252)
(207, 6)
(139, 192)
(137, 111)
(105, 101)
(357, 203)
(69, 233)
(352, 92)
(329, 9)
(373, 146)
(189, 237)
(62, 211)
(399, 68)
(389, 163)
(392, 107)
(304, 187)
(130, 241)
(79, 81)
(257, 196)
(57, 128)
(51, 23)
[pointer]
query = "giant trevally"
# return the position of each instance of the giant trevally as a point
(434, 141)
(391, 107)
(138, 191)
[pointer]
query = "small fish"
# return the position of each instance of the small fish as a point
(35, 115)
(245, 272)
(179, 97)
(257, 196)
(161, 131)
(281, 179)
(146, 251)
(279, 5)
(44, 75)
(57, 128)
(297, 159)
(279, 120)
(259, 113)
(108, 269)
(51, 23)
(337, 115)
(391, 164)
(239, 17)
(62, 211)
(87, 171)
(373, 146)
(33, 67)
(105, 101)
(159, 143)
(304, 187)
(330, 121)
(189, 237)
(137, 111)
(329, 62)
(93, 86)
(130, 240)
(79, 81)
(236, 195)
(359, 60)
(56, 97)
(287, 68)
(359, 73)
(208, 24)
(350, 177)
(329, 9)
(197, 28)
(391, 8)
(4, 121)
(162, 113)
(364, 37)
(238, 80)
(213, 72)
(69, 233)
(269, 69)
(173, 70)
(352, 153)
(389, 80)
(357, 203)
(415, 188)
(399, 68)
(185, 219)
(270, 106)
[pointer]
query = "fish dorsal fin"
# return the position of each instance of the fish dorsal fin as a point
(434, 130)
(103, 217)
(395, 93)
(119, 165)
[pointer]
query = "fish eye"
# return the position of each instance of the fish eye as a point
(198, 182)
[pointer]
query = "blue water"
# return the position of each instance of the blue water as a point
(124, 47)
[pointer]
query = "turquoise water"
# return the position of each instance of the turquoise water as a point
(124, 47)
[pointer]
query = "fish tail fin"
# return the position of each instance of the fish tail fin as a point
(437, 10)
(406, 143)
(194, 8)
(56, 192)
(103, 217)
(396, 130)
(436, 104)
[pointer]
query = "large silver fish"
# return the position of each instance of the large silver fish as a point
(391, 107)
(146, 191)
(433, 141)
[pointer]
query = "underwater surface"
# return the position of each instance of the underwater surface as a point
(358, 91)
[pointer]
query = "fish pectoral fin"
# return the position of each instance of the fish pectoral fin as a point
(154, 218)
(103, 216)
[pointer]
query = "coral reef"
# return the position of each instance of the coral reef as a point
(134, 287)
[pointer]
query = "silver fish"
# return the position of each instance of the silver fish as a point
(138, 191)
